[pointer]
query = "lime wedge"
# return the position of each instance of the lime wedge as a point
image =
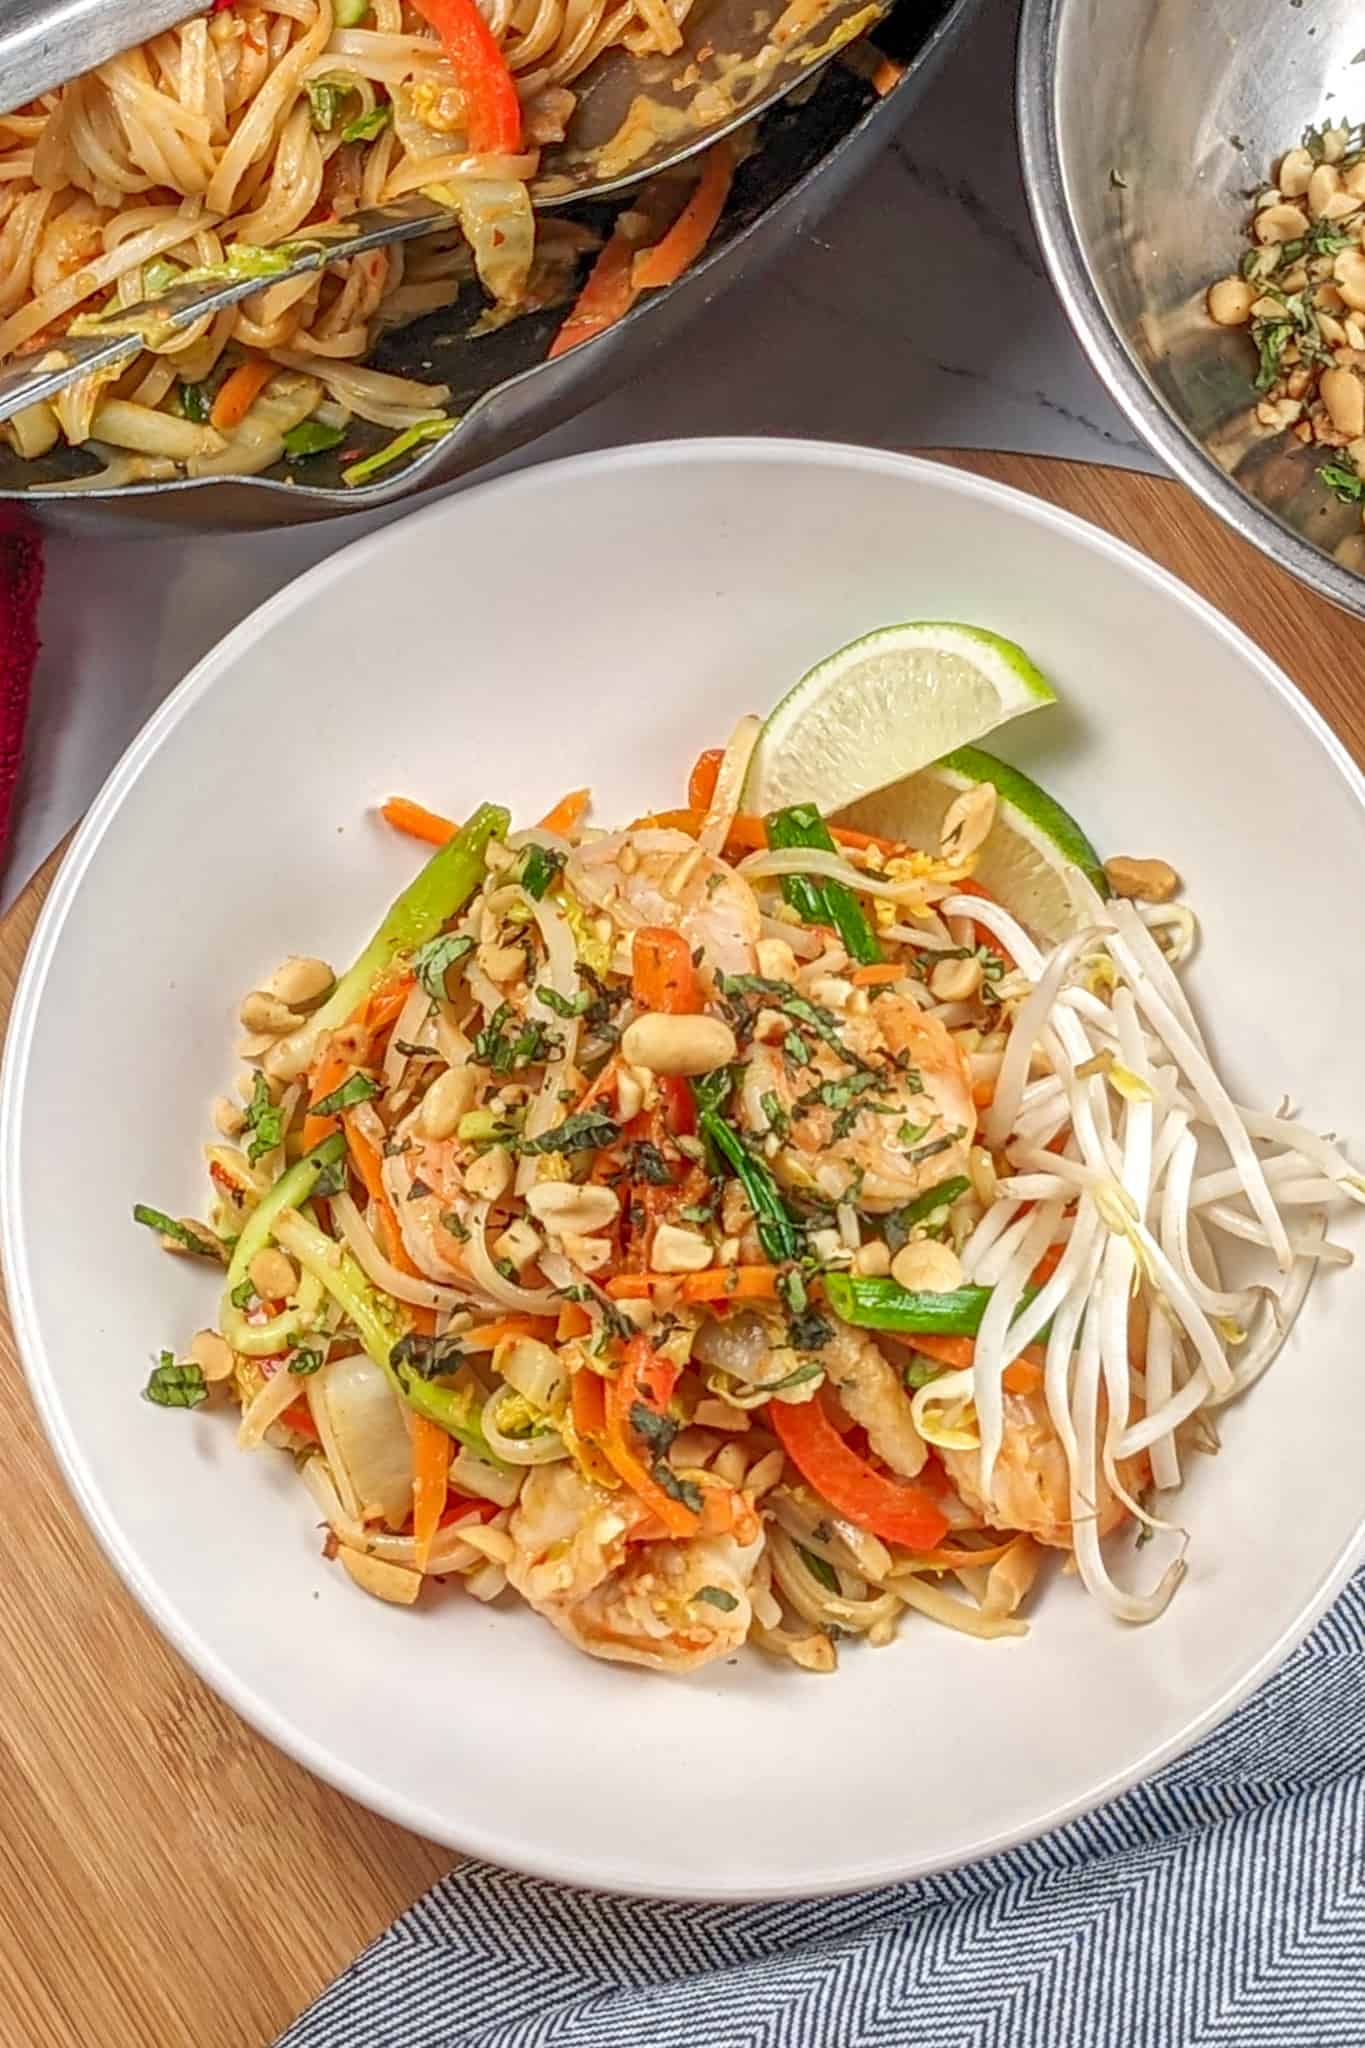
(1030, 846)
(885, 706)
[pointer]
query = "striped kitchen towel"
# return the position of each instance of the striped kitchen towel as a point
(21, 583)
(1222, 1902)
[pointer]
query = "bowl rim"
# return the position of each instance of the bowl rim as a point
(1040, 29)
(122, 1551)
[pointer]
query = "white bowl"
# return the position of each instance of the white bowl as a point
(600, 620)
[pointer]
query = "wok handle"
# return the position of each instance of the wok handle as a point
(43, 43)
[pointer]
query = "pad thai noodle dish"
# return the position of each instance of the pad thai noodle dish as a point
(741, 1228)
(215, 150)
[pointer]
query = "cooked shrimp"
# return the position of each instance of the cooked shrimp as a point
(871, 1391)
(891, 1118)
(655, 877)
(424, 1217)
(1031, 1491)
(672, 1606)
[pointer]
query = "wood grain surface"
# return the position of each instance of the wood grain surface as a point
(169, 1880)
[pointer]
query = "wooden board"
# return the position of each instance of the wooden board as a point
(166, 1876)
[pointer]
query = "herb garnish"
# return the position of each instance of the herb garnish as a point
(264, 1121)
(305, 1361)
(806, 1330)
(426, 1356)
(647, 1163)
(563, 1006)
(1344, 483)
(201, 1242)
(175, 1384)
(657, 1430)
(504, 1051)
(716, 1596)
(539, 868)
(586, 1131)
(242, 1296)
(431, 963)
(359, 1088)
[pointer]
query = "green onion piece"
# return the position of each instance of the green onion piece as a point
(902, 1221)
(350, 13)
(195, 403)
(815, 900)
(776, 1231)
(402, 444)
(311, 437)
(442, 888)
(885, 1305)
(365, 127)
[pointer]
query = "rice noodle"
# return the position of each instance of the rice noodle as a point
(402, 1286)
(734, 766)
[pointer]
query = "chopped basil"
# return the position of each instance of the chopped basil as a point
(242, 1296)
(201, 1242)
(563, 1006)
(684, 1490)
(657, 1430)
(359, 1088)
(311, 437)
(538, 869)
(810, 1369)
(647, 1163)
(424, 1355)
(432, 963)
(587, 1131)
(716, 1596)
(456, 1225)
(264, 1121)
(175, 1384)
(531, 1044)
(779, 1123)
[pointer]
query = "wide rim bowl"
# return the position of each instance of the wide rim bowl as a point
(328, 1677)
(1161, 428)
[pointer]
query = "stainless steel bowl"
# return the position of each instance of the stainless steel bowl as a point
(811, 148)
(1145, 125)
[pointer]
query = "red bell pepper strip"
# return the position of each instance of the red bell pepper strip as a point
(646, 1380)
(492, 110)
(897, 1510)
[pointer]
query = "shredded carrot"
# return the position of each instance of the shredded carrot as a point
(714, 1283)
(370, 1167)
(490, 1335)
(886, 76)
(406, 816)
(588, 1413)
(983, 1093)
(377, 1014)
(239, 392)
(679, 249)
(431, 1449)
(701, 783)
(567, 811)
(876, 975)
(861, 841)
(951, 1351)
(1023, 1376)
(574, 1321)
(1048, 1264)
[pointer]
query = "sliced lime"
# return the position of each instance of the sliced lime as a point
(1031, 844)
(885, 706)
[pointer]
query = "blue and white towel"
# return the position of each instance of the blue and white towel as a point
(1223, 1902)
